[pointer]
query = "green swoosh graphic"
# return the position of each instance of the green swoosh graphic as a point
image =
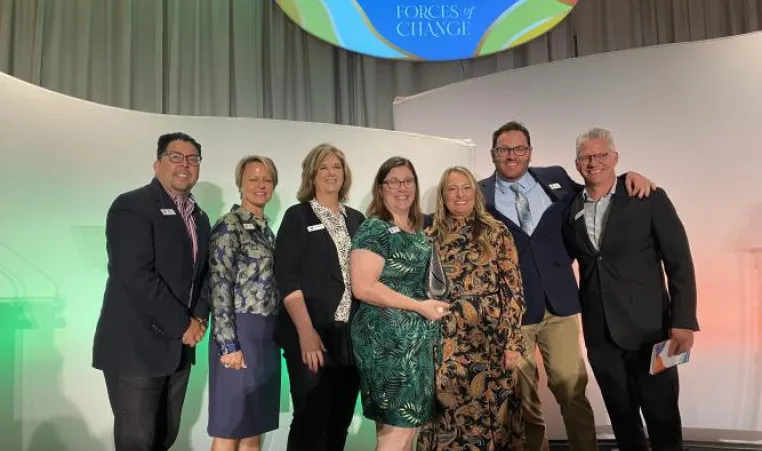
(313, 17)
(511, 29)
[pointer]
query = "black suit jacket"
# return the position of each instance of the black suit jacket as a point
(308, 261)
(622, 286)
(545, 264)
(148, 304)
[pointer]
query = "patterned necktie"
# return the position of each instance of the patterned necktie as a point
(522, 209)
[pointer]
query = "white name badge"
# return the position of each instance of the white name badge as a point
(555, 186)
(248, 226)
(168, 212)
(579, 214)
(312, 228)
(394, 229)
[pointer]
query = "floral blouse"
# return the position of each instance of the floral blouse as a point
(336, 225)
(241, 274)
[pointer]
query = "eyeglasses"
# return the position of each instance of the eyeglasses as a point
(504, 151)
(600, 157)
(177, 157)
(395, 184)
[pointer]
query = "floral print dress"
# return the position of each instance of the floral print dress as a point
(478, 402)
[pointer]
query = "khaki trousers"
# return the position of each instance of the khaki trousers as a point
(558, 340)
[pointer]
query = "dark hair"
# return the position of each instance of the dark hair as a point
(378, 209)
(512, 126)
(164, 141)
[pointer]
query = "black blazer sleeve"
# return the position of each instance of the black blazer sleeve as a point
(672, 243)
(130, 248)
(289, 251)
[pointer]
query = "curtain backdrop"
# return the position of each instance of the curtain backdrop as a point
(245, 57)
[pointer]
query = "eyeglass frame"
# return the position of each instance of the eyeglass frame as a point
(602, 157)
(182, 158)
(408, 183)
(508, 150)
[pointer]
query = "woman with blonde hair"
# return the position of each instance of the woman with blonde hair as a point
(244, 362)
(312, 272)
(478, 404)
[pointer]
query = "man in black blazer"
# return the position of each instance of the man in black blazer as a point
(550, 289)
(155, 306)
(624, 247)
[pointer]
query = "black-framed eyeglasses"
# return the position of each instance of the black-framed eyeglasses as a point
(504, 151)
(601, 157)
(394, 183)
(177, 157)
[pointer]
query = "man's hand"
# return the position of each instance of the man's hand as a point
(194, 333)
(681, 340)
(511, 359)
(638, 185)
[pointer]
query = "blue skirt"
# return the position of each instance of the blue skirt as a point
(246, 402)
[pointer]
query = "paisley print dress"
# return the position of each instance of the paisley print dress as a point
(478, 404)
(393, 348)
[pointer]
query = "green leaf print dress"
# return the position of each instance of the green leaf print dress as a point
(394, 348)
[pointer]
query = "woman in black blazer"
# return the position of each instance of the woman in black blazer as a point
(312, 274)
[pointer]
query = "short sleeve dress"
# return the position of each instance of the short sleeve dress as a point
(394, 349)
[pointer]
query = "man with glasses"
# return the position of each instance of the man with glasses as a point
(155, 306)
(625, 247)
(531, 202)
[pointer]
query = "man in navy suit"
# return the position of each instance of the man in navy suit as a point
(531, 202)
(155, 306)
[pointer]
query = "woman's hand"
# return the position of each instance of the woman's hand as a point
(433, 310)
(234, 360)
(511, 359)
(312, 349)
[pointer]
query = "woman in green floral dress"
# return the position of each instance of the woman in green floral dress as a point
(395, 328)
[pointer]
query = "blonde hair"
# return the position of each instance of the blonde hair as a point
(310, 166)
(243, 162)
(485, 225)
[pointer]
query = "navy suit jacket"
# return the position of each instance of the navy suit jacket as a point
(546, 268)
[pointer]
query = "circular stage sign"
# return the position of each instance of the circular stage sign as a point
(426, 30)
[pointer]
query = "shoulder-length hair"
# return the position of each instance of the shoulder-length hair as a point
(484, 225)
(378, 209)
(311, 165)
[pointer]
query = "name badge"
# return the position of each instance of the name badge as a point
(394, 229)
(248, 226)
(312, 228)
(554, 186)
(168, 212)
(579, 214)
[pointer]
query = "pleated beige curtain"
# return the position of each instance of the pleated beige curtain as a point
(245, 58)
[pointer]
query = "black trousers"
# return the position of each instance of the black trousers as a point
(322, 415)
(147, 409)
(627, 388)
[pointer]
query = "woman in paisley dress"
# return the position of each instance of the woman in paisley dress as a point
(395, 330)
(478, 403)
(244, 365)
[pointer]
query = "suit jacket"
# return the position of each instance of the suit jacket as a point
(309, 261)
(622, 286)
(545, 264)
(148, 303)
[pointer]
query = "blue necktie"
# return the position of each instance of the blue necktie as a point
(522, 209)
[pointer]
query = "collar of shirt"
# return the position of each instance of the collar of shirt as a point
(526, 182)
(179, 201)
(317, 205)
(587, 198)
(247, 216)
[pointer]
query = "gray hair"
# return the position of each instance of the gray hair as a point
(595, 133)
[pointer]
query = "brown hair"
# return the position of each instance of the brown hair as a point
(310, 166)
(485, 225)
(378, 209)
